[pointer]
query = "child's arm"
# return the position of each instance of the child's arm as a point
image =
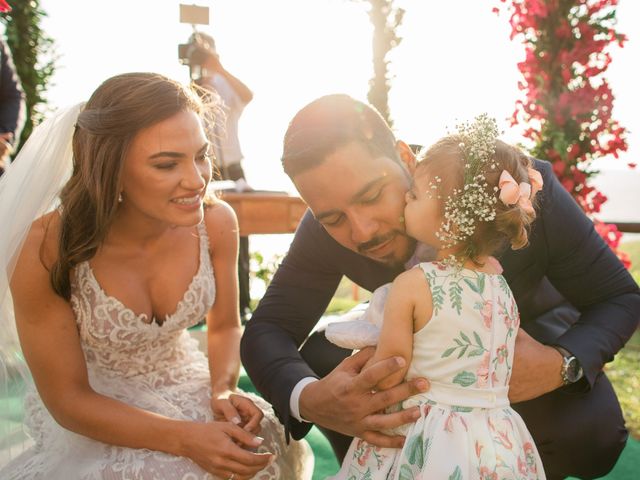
(407, 309)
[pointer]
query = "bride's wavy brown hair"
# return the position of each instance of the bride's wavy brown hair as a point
(120, 107)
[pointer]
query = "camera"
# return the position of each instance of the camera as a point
(195, 52)
(191, 54)
(199, 46)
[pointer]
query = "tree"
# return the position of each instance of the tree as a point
(34, 57)
(385, 19)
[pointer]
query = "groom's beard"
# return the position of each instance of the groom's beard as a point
(395, 258)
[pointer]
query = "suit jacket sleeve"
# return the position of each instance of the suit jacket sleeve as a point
(588, 274)
(12, 106)
(294, 302)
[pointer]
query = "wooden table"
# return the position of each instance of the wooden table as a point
(265, 212)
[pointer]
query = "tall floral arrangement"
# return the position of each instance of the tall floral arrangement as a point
(567, 105)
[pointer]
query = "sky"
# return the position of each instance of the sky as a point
(454, 62)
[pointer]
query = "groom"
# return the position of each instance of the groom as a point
(578, 304)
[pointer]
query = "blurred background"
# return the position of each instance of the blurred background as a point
(455, 60)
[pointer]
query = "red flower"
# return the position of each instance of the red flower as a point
(4, 7)
(568, 184)
(624, 258)
(573, 151)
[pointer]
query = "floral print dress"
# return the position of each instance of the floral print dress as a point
(466, 430)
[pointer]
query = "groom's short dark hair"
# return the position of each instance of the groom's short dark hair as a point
(329, 123)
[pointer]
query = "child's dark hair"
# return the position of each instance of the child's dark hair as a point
(511, 225)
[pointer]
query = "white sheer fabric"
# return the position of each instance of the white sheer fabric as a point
(157, 368)
(28, 189)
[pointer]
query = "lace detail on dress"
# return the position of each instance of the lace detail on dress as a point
(120, 342)
(156, 368)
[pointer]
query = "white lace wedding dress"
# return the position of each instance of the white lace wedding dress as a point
(158, 368)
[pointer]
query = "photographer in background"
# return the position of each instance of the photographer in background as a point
(207, 72)
(12, 106)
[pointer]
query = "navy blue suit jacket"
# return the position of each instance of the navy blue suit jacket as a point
(570, 288)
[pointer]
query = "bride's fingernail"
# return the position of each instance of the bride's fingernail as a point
(258, 440)
(236, 420)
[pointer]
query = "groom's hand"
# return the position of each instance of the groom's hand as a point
(345, 400)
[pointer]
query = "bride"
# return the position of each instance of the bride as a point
(112, 270)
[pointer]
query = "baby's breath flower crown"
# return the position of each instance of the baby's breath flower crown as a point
(475, 202)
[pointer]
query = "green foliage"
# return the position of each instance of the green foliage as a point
(262, 268)
(33, 55)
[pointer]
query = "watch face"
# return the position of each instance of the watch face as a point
(573, 371)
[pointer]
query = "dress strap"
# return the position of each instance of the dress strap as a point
(428, 268)
(204, 236)
(205, 258)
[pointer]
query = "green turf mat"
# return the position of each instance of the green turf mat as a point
(325, 461)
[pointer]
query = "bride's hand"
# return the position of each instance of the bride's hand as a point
(223, 449)
(237, 409)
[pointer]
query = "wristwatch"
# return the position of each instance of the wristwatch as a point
(571, 370)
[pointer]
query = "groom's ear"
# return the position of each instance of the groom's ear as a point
(407, 156)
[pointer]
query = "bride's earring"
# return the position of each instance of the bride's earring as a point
(120, 197)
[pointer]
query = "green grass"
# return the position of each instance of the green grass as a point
(633, 250)
(623, 373)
